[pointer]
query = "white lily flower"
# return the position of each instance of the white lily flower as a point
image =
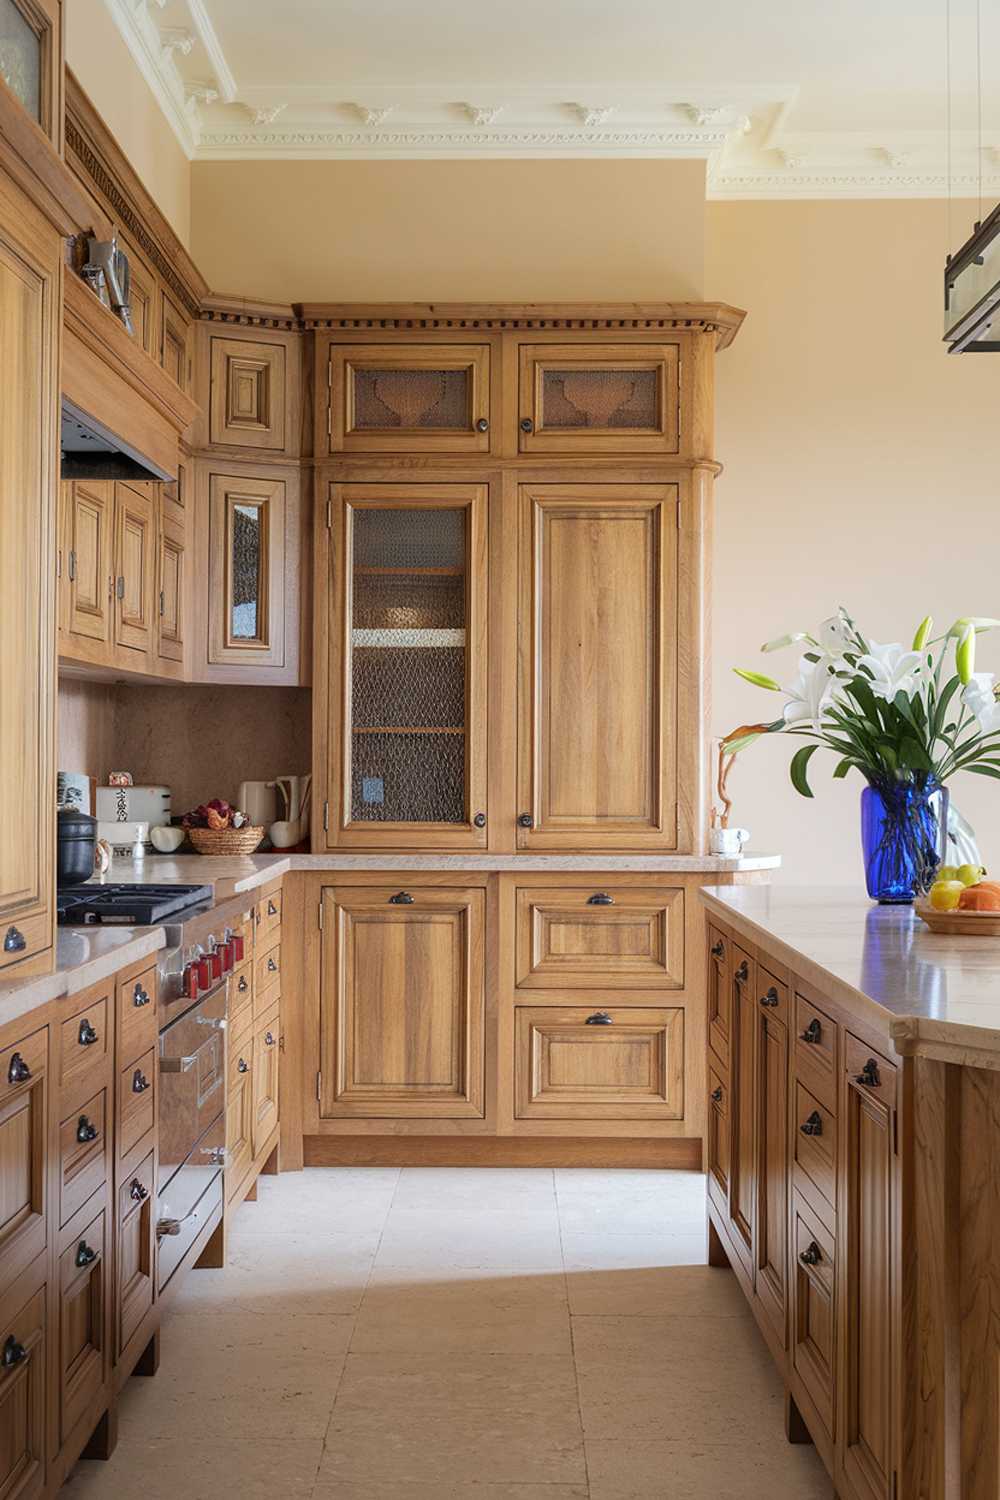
(979, 697)
(812, 690)
(833, 635)
(791, 639)
(893, 670)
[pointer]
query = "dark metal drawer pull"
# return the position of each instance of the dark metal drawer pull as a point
(86, 1130)
(813, 1032)
(814, 1124)
(401, 898)
(85, 1255)
(599, 1018)
(717, 1096)
(811, 1255)
(742, 973)
(479, 820)
(140, 996)
(525, 820)
(600, 898)
(272, 910)
(88, 1036)
(771, 998)
(137, 1192)
(242, 1066)
(272, 966)
(269, 1039)
(869, 1075)
(527, 425)
(18, 1072)
(719, 949)
(14, 940)
(482, 425)
(140, 1083)
(243, 986)
(13, 1353)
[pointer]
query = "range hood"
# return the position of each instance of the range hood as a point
(92, 451)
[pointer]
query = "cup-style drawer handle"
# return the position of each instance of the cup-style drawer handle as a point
(140, 1083)
(811, 1255)
(813, 1125)
(14, 940)
(243, 986)
(140, 996)
(600, 898)
(717, 1096)
(813, 1032)
(272, 910)
(137, 1191)
(869, 1075)
(401, 898)
(719, 949)
(18, 1072)
(88, 1036)
(242, 1066)
(272, 967)
(599, 1018)
(86, 1130)
(771, 998)
(85, 1254)
(13, 1353)
(269, 1039)
(743, 973)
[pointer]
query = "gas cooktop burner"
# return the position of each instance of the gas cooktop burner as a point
(126, 905)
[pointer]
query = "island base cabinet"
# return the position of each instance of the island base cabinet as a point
(22, 1397)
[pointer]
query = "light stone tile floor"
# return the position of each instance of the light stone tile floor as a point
(456, 1334)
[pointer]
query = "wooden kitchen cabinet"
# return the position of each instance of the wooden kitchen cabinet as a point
(135, 580)
(402, 1000)
(89, 559)
(599, 397)
(409, 398)
(266, 1057)
(23, 1396)
(743, 1111)
(136, 1250)
(84, 1352)
(176, 340)
(771, 1227)
(588, 938)
(26, 1155)
(171, 614)
(619, 1063)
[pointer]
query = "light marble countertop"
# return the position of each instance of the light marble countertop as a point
(939, 996)
(84, 956)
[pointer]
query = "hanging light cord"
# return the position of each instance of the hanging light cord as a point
(979, 97)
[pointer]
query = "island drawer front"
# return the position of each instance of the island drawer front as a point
(813, 1309)
(814, 1134)
(240, 1051)
(718, 976)
(241, 997)
(137, 1018)
(600, 936)
(134, 1266)
(719, 1145)
(268, 916)
(24, 1419)
(571, 1065)
(84, 1040)
(816, 1050)
(265, 999)
(84, 1358)
(136, 1102)
(772, 994)
(870, 1070)
(267, 966)
(83, 1154)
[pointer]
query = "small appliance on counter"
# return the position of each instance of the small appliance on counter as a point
(132, 804)
(76, 835)
(259, 800)
(125, 905)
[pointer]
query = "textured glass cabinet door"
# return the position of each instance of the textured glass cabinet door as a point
(246, 570)
(599, 398)
(427, 398)
(410, 765)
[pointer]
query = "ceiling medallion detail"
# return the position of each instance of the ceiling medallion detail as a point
(375, 116)
(483, 114)
(176, 39)
(264, 114)
(591, 115)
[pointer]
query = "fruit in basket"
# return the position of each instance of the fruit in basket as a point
(216, 820)
(970, 874)
(215, 814)
(944, 895)
(983, 897)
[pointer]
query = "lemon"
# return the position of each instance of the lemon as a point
(970, 874)
(946, 894)
(947, 872)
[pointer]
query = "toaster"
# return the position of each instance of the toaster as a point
(133, 804)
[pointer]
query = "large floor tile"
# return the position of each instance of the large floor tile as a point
(319, 1201)
(603, 1249)
(422, 1236)
(297, 1276)
(490, 1316)
(206, 1469)
(692, 1470)
(699, 1291)
(478, 1189)
(631, 1202)
(458, 1489)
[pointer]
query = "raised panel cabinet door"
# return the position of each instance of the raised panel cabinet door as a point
(175, 341)
(719, 1138)
(719, 994)
(744, 1014)
(29, 333)
(402, 1003)
(23, 1401)
(89, 561)
(590, 938)
(247, 394)
(407, 669)
(868, 1232)
(134, 1261)
(593, 398)
(417, 398)
(135, 581)
(239, 1121)
(246, 570)
(24, 1157)
(813, 1308)
(771, 1227)
(171, 602)
(266, 1052)
(84, 1356)
(574, 1063)
(597, 667)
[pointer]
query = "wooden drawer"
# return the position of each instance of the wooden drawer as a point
(814, 1136)
(137, 1018)
(718, 976)
(23, 1398)
(772, 993)
(267, 968)
(579, 1063)
(84, 1040)
(265, 1000)
(32, 935)
(136, 1102)
(266, 1052)
(241, 997)
(870, 1071)
(718, 1138)
(24, 1155)
(240, 1060)
(813, 1309)
(268, 916)
(134, 1263)
(239, 1124)
(600, 937)
(816, 1050)
(83, 1353)
(83, 1154)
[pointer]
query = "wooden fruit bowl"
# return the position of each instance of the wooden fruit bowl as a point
(223, 841)
(959, 923)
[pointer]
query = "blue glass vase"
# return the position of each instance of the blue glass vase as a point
(904, 828)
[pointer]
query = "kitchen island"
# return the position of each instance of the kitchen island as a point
(854, 1178)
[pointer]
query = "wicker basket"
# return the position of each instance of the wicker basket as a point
(225, 841)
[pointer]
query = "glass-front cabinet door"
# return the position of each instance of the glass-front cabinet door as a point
(419, 398)
(406, 730)
(246, 615)
(31, 60)
(599, 398)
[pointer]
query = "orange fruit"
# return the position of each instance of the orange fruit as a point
(979, 898)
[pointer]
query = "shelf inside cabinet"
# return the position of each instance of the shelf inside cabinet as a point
(409, 640)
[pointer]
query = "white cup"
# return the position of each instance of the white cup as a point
(728, 841)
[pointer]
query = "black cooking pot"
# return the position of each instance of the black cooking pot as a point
(76, 835)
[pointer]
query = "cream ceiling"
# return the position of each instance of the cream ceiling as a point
(782, 98)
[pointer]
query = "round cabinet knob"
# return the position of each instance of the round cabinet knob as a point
(483, 425)
(13, 1353)
(137, 1192)
(525, 820)
(272, 910)
(85, 1255)
(140, 1083)
(272, 967)
(86, 1130)
(600, 898)
(717, 1096)
(811, 1255)
(527, 425)
(242, 1066)
(18, 1072)
(88, 1036)
(813, 1033)
(479, 820)
(771, 998)
(599, 1018)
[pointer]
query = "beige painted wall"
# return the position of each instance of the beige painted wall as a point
(861, 467)
(431, 231)
(104, 66)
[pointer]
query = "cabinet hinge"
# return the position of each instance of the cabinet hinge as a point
(319, 1088)
(326, 814)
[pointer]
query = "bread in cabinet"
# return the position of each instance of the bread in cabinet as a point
(23, 1395)
(409, 398)
(25, 1158)
(586, 938)
(599, 397)
(614, 1063)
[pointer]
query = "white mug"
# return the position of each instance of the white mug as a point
(728, 841)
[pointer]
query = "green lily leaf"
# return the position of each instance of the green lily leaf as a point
(797, 769)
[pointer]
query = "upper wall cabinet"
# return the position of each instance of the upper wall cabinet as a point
(31, 60)
(599, 398)
(411, 398)
(246, 539)
(248, 388)
(176, 341)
